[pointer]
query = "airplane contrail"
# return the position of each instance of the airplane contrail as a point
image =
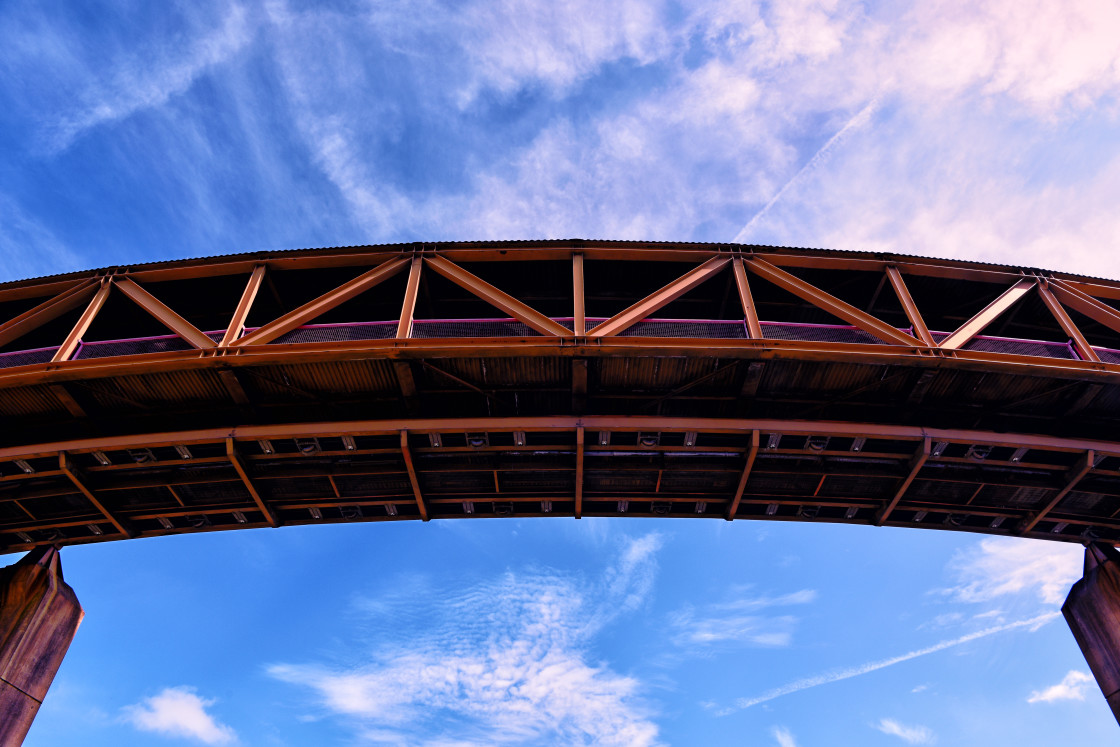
(858, 120)
(843, 674)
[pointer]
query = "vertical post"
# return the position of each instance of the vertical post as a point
(39, 615)
(1092, 610)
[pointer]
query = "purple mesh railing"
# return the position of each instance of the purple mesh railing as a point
(27, 357)
(1011, 346)
(653, 328)
(137, 346)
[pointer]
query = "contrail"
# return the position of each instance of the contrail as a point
(858, 120)
(843, 674)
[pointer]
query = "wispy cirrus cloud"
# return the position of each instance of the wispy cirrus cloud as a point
(1001, 566)
(739, 621)
(783, 736)
(179, 712)
(1072, 687)
(908, 734)
(837, 675)
(503, 662)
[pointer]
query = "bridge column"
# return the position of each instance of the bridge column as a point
(39, 615)
(1092, 610)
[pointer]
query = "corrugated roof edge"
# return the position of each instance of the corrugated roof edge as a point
(265, 254)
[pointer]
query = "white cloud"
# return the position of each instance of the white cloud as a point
(783, 737)
(136, 84)
(737, 622)
(179, 712)
(504, 662)
(1001, 566)
(909, 734)
(837, 675)
(1072, 687)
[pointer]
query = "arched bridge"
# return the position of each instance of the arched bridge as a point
(558, 378)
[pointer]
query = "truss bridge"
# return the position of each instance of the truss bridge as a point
(558, 378)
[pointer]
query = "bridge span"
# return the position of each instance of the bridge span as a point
(557, 378)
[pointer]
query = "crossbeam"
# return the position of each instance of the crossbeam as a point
(47, 311)
(519, 310)
(74, 339)
(164, 314)
(752, 453)
(913, 468)
(238, 463)
(830, 303)
(1080, 344)
(74, 475)
(987, 315)
(237, 323)
(413, 479)
(908, 305)
(1074, 476)
(322, 304)
(628, 317)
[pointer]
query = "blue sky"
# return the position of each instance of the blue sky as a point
(137, 131)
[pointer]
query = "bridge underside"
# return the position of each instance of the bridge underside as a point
(558, 379)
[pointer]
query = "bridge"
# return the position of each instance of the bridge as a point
(557, 378)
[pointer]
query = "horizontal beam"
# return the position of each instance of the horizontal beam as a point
(628, 423)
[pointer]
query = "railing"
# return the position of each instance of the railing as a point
(476, 328)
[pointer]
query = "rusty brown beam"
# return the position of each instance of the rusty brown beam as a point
(1074, 476)
(408, 307)
(164, 314)
(499, 299)
(1080, 344)
(579, 471)
(324, 303)
(915, 466)
(752, 453)
(921, 331)
(66, 465)
(987, 315)
(406, 454)
(237, 323)
(1082, 302)
(579, 303)
(627, 318)
(70, 344)
(746, 300)
(48, 310)
(243, 472)
(827, 302)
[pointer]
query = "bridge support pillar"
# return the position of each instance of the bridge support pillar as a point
(1092, 610)
(39, 615)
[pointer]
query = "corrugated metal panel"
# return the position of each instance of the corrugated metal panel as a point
(29, 401)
